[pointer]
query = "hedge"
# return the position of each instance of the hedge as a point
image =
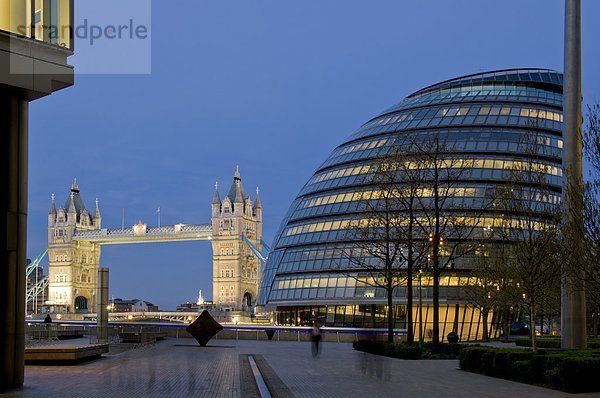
(573, 371)
(408, 351)
(541, 343)
(593, 344)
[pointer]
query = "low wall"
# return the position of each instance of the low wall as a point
(231, 332)
(287, 335)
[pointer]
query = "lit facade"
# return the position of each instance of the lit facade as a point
(36, 39)
(72, 265)
(236, 270)
(76, 236)
(480, 118)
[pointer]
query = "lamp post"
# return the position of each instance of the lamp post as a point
(573, 319)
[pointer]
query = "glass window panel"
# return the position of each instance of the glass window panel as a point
(462, 111)
(452, 112)
(495, 110)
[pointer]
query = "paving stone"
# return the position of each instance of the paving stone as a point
(181, 368)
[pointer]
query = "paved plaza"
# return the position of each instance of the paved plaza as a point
(181, 368)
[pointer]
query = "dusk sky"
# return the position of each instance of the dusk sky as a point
(272, 86)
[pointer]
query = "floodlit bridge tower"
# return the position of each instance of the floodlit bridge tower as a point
(75, 238)
(236, 271)
(73, 264)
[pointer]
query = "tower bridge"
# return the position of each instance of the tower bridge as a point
(142, 233)
(76, 236)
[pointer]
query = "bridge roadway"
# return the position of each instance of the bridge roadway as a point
(141, 233)
(171, 316)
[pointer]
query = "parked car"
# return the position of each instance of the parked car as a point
(520, 328)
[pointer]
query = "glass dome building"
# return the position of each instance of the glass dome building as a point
(481, 118)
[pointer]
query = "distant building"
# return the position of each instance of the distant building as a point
(135, 305)
(195, 307)
(187, 307)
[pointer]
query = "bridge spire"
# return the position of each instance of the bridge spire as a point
(53, 206)
(236, 192)
(257, 204)
(216, 197)
(97, 217)
(74, 186)
(71, 208)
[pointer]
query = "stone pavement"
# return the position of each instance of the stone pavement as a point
(180, 368)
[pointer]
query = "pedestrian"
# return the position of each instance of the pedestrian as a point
(316, 339)
(47, 321)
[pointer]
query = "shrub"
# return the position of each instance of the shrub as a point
(579, 374)
(470, 358)
(450, 350)
(593, 344)
(541, 343)
(501, 365)
(487, 362)
(445, 351)
(374, 347)
(522, 355)
(394, 350)
(407, 351)
(523, 342)
(545, 342)
(522, 370)
(575, 371)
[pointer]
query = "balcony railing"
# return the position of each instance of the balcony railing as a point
(50, 21)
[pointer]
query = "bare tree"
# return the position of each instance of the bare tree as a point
(385, 251)
(591, 220)
(449, 225)
(376, 254)
(589, 263)
(591, 141)
(410, 175)
(584, 260)
(529, 227)
(490, 283)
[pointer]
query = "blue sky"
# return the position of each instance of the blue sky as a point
(270, 85)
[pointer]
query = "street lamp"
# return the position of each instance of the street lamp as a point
(421, 301)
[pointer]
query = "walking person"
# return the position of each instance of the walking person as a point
(316, 339)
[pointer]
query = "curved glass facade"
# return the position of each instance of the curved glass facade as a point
(481, 119)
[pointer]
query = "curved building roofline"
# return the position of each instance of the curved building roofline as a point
(485, 76)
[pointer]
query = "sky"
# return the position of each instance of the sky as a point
(270, 85)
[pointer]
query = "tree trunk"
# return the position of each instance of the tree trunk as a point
(410, 337)
(484, 318)
(506, 323)
(436, 312)
(390, 314)
(532, 326)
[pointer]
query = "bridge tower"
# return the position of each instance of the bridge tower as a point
(236, 271)
(73, 265)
